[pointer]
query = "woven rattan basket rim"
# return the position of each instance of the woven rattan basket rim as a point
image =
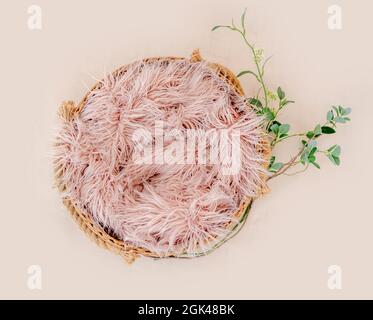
(69, 110)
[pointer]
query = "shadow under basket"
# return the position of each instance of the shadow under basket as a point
(105, 237)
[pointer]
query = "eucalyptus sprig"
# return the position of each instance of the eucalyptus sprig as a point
(270, 105)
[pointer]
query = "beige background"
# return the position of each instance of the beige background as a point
(305, 224)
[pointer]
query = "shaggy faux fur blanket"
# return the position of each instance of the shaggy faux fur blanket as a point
(127, 158)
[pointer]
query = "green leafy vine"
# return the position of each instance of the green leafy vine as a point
(270, 105)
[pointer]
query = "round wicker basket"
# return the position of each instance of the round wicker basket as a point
(105, 238)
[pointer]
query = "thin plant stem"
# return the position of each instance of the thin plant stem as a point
(274, 142)
(287, 165)
(258, 68)
(297, 172)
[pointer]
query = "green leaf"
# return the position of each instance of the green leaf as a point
(313, 151)
(316, 164)
(272, 160)
(269, 114)
(283, 130)
(336, 151)
(345, 111)
(255, 102)
(275, 167)
(310, 134)
(276, 122)
(303, 158)
(336, 110)
(317, 131)
(331, 158)
(311, 158)
(285, 102)
(280, 93)
(332, 148)
(327, 130)
(329, 116)
(217, 27)
(242, 73)
(308, 155)
(341, 114)
(335, 160)
(340, 120)
(243, 20)
(333, 154)
(274, 128)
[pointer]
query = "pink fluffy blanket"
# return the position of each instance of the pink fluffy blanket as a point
(128, 159)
